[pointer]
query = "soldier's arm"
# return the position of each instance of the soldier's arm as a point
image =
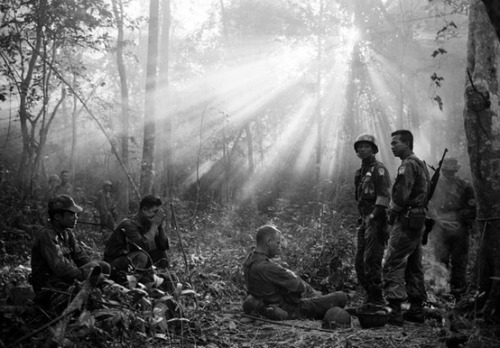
(402, 187)
(58, 264)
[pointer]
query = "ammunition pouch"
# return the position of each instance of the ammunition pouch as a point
(414, 218)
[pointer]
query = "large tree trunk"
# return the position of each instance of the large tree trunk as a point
(493, 10)
(148, 150)
(123, 199)
(483, 141)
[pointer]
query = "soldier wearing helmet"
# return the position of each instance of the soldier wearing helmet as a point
(372, 184)
(105, 204)
(454, 209)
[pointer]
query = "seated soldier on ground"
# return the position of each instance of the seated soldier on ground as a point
(28, 220)
(139, 241)
(276, 292)
(57, 260)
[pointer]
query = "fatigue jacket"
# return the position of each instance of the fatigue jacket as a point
(372, 182)
(270, 282)
(454, 194)
(129, 235)
(56, 254)
(411, 186)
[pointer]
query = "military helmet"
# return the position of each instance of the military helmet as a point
(54, 177)
(367, 138)
(451, 164)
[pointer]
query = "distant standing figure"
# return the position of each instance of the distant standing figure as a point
(65, 187)
(105, 204)
(139, 241)
(372, 183)
(454, 208)
(54, 181)
(79, 196)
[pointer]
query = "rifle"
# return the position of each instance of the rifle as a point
(429, 223)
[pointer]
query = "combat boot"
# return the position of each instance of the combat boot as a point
(395, 316)
(416, 313)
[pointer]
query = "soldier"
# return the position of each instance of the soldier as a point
(403, 271)
(64, 187)
(372, 184)
(276, 292)
(139, 241)
(454, 208)
(57, 260)
(105, 204)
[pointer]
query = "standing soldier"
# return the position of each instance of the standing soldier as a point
(105, 204)
(403, 271)
(64, 187)
(372, 184)
(454, 208)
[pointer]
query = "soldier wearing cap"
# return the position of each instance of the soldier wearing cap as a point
(454, 209)
(105, 204)
(372, 184)
(403, 271)
(57, 260)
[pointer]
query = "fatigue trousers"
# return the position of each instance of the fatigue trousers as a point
(403, 270)
(372, 238)
(451, 247)
(312, 307)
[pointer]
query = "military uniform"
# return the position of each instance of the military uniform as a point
(403, 271)
(372, 184)
(128, 242)
(279, 294)
(106, 206)
(453, 204)
(56, 259)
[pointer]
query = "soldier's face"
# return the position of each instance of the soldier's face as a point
(364, 150)
(150, 212)
(67, 219)
(274, 245)
(397, 146)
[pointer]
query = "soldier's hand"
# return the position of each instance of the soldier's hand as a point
(391, 217)
(159, 217)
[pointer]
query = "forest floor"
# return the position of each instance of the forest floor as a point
(207, 295)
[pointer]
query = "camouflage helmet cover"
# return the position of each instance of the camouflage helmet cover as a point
(451, 163)
(367, 138)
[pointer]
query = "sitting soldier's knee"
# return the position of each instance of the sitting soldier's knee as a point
(275, 313)
(252, 305)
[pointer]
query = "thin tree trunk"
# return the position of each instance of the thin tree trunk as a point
(125, 108)
(167, 139)
(148, 150)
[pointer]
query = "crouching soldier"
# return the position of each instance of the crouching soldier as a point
(276, 292)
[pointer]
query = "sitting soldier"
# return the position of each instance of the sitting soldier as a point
(139, 241)
(57, 260)
(276, 292)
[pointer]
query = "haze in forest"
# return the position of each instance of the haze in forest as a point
(261, 96)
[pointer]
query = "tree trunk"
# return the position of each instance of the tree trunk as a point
(124, 197)
(483, 142)
(148, 150)
(166, 185)
(493, 10)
